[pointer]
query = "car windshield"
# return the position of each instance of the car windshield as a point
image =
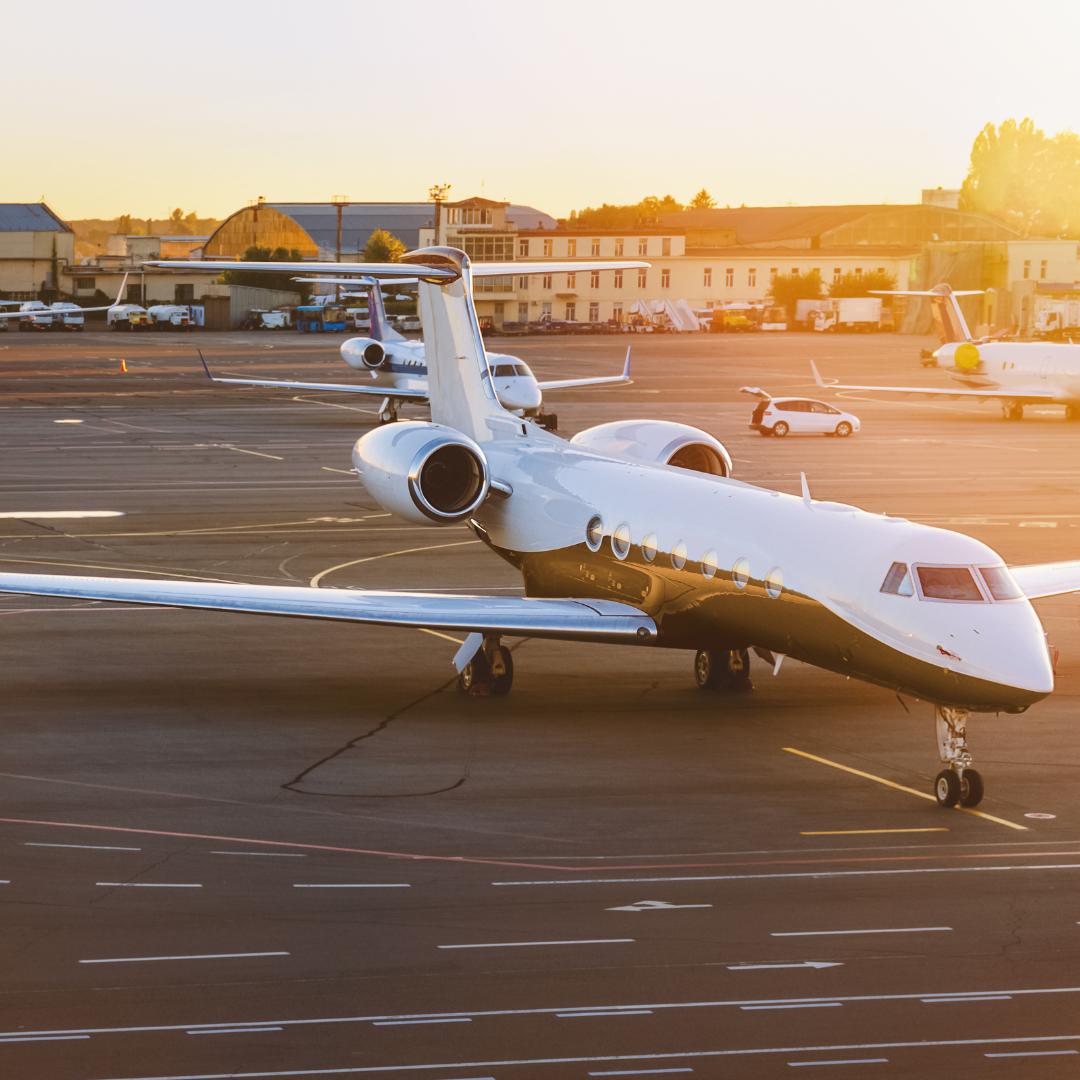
(1001, 583)
(948, 583)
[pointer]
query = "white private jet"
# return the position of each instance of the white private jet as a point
(1013, 373)
(397, 366)
(628, 534)
(44, 315)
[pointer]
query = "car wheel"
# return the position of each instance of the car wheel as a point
(780, 429)
(843, 429)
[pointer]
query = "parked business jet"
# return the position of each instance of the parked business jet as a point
(630, 534)
(45, 314)
(1014, 373)
(398, 368)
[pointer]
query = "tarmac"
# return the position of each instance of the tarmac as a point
(256, 847)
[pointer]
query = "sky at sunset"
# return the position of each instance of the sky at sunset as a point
(140, 107)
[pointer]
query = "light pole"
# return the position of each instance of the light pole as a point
(438, 197)
(340, 201)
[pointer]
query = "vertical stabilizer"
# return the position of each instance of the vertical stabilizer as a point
(459, 382)
(379, 327)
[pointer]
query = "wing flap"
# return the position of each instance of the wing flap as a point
(1047, 579)
(567, 619)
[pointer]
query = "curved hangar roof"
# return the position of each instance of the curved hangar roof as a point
(311, 228)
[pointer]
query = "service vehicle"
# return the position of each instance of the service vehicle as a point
(170, 317)
(67, 316)
(321, 319)
(783, 416)
(774, 317)
(263, 319)
(860, 314)
(1058, 319)
(128, 317)
(36, 316)
(733, 319)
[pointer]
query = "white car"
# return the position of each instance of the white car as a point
(780, 416)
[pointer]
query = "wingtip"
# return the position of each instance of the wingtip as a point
(205, 367)
(626, 366)
(817, 374)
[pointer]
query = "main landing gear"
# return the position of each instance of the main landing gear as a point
(490, 673)
(959, 783)
(388, 411)
(1012, 410)
(726, 669)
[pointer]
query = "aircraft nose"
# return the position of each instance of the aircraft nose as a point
(518, 393)
(1025, 664)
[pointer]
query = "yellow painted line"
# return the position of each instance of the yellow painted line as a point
(900, 787)
(853, 832)
(254, 453)
(347, 472)
(445, 637)
(314, 583)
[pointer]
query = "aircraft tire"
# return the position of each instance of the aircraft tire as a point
(780, 429)
(475, 678)
(500, 684)
(947, 788)
(971, 788)
(710, 673)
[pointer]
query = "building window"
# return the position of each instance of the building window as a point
(523, 312)
(772, 273)
(729, 276)
(134, 294)
(549, 246)
(595, 247)
(594, 312)
(523, 249)
(500, 312)
(547, 280)
(618, 279)
(1027, 268)
(523, 284)
(503, 283)
(488, 248)
(1042, 270)
(468, 215)
(571, 281)
(707, 282)
(643, 246)
(594, 280)
(182, 294)
(87, 284)
(881, 269)
(794, 271)
(665, 279)
(665, 246)
(545, 307)
(858, 271)
(571, 311)
(837, 274)
(618, 247)
(616, 312)
(640, 278)
(751, 277)
(571, 249)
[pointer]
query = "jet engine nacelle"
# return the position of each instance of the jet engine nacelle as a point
(659, 442)
(364, 353)
(425, 472)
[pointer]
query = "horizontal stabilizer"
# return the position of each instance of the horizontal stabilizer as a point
(602, 380)
(571, 620)
(401, 270)
(1032, 395)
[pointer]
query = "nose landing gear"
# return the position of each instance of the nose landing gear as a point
(723, 670)
(388, 411)
(959, 783)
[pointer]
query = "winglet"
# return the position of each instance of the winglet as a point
(817, 375)
(626, 366)
(119, 294)
(205, 368)
(806, 492)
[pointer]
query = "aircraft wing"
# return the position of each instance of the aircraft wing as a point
(403, 270)
(348, 388)
(1047, 579)
(572, 620)
(603, 380)
(1032, 394)
(70, 311)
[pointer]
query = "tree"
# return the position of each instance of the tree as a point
(786, 289)
(263, 279)
(177, 225)
(702, 201)
(1027, 179)
(609, 216)
(862, 284)
(123, 224)
(382, 247)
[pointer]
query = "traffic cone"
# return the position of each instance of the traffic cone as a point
(123, 365)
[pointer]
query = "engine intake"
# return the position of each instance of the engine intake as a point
(364, 353)
(659, 442)
(424, 472)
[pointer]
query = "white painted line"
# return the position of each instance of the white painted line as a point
(444, 1020)
(803, 1005)
(1035, 1053)
(42, 1038)
(197, 956)
(830, 933)
(143, 885)
(394, 885)
(85, 847)
(938, 1001)
(516, 944)
(617, 1012)
(804, 964)
(40, 515)
(812, 874)
(656, 905)
(266, 854)
(638, 1072)
(849, 1061)
(233, 1031)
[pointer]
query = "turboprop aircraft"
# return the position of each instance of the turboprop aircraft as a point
(397, 365)
(47, 312)
(630, 534)
(1013, 373)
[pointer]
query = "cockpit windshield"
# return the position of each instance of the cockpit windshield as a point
(523, 369)
(503, 371)
(949, 583)
(898, 581)
(1001, 583)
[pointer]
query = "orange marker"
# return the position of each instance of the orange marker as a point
(123, 365)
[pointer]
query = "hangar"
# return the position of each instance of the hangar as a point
(36, 246)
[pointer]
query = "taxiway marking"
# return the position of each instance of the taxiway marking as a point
(198, 956)
(436, 1020)
(860, 832)
(82, 847)
(518, 944)
(638, 1072)
(1033, 1053)
(615, 1012)
(41, 515)
(800, 1005)
(41, 1038)
(264, 854)
(144, 885)
(854, 1061)
(900, 787)
(830, 933)
(941, 1001)
(804, 964)
(391, 885)
(233, 1031)
(254, 453)
(314, 582)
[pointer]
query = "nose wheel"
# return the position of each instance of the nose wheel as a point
(959, 784)
(388, 411)
(723, 669)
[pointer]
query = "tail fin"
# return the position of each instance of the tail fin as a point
(459, 381)
(380, 329)
(948, 319)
